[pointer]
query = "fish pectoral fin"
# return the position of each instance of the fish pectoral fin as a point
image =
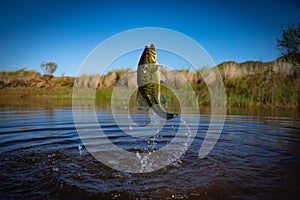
(163, 79)
(141, 102)
(163, 101)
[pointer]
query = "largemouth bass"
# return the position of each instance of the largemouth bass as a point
(149, 80)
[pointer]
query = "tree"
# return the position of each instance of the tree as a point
(49, 67)
(289, 44)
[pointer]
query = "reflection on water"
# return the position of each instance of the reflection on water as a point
(256, 157)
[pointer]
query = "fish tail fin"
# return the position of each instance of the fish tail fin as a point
(163, 114)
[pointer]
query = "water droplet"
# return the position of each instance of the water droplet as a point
(138, 155)
(55, 169)
(80, 149)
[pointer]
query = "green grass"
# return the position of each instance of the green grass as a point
(263, 89)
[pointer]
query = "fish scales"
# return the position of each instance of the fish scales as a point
(148, 80)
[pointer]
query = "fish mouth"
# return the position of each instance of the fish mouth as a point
(152, 54)
(152, 59)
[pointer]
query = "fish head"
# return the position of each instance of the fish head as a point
(150, 54)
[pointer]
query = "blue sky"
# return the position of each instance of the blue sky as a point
(33, 31)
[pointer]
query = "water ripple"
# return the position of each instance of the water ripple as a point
(41, 156)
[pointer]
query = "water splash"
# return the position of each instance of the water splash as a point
(80, 149)
(146, 163)
(165, 141)
(156, 125)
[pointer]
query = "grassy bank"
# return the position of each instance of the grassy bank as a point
(249, 84)
(272, 84)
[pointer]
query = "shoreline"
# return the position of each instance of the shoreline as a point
(250, 84)
(27, 97)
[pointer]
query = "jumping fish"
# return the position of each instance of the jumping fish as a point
(149, 80)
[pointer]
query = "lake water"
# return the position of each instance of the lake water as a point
(257, 157)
